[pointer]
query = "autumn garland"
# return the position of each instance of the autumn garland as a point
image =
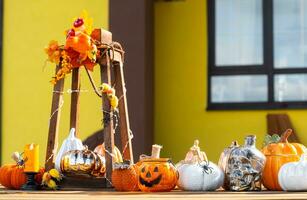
(79, 50)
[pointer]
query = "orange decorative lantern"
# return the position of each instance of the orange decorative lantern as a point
(157, 174)
(277, 154)
(125, 177)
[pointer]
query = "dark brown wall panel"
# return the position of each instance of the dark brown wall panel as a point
(131, 23)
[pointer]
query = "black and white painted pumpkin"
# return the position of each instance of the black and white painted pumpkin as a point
(196, 173)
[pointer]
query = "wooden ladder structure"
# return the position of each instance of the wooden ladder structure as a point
(111, 64)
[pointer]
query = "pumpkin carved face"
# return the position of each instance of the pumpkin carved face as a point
(157, 175)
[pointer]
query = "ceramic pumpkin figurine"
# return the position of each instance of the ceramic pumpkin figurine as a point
(101, 151)
(196, 173)
(278, 154)
(157, 174)
(292, 176)
(125, 177)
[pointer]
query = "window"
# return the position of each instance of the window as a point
(257, 54)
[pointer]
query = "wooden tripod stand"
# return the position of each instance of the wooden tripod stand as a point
(111, 63)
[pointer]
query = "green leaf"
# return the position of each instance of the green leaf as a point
(268, 139)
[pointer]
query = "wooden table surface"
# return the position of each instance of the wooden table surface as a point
(178, 195)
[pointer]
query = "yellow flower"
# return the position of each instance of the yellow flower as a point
(55, 174)
(52, 184)
(113, 101)
(53, 51)
(88, 22)
(105, 87)
(46, 178)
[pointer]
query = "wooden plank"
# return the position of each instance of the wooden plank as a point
(82, 183)
(284, 123)
(105, 73)
(272, 126)
(116, 56)
(279, 123)
(173, 195)
(52, 142)
(74, 105)
(123, 112)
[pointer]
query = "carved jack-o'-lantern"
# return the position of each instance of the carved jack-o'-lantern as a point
(157, 175)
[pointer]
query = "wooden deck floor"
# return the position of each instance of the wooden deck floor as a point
(178, 195)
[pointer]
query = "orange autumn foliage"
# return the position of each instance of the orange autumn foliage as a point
(277, 154)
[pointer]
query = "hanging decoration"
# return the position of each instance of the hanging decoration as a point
(79, 49)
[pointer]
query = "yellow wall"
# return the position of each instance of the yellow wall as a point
(181, 88)
(28, 27)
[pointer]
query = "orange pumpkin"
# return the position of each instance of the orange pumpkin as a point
(12, 176)
(5, 175)
(278, 154)
(157, 175)
(100, 149)
(18, 177)
(125, 177)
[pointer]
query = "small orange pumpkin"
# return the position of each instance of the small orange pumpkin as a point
(125, 177)
(100, 149)
(157, 174)
(277, 154)
(5, 175)
(18, 177)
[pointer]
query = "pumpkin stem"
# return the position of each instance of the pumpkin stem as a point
(234, 143)
(285, 135)
(155, 152)
(196, 143)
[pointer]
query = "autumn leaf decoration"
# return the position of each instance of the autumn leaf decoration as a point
(79, 49)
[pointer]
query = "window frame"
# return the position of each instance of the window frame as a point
(267, 68)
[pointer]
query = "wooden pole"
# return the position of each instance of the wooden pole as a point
(123, 112)
(52, 143)
(74, 106)
(105, 73)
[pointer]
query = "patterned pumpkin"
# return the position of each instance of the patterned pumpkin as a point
(125, 177)
(5, 175)
(100, 149)
(277, 154)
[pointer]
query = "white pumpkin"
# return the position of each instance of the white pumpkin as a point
(197, 174)
(70, 143)
(292, 176)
